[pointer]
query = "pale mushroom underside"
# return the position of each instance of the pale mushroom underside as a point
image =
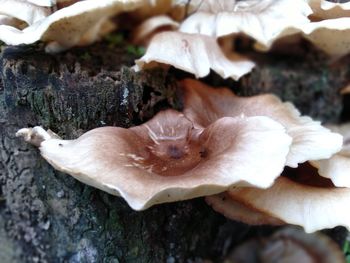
(313, 208)
(194, 53)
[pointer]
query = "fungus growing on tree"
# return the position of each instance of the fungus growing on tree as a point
(329, 27)
(311, 141)
(144, 32)
(193, 53)
(80, 23)
(300, 197)
(23, 10)
(323, 9)
(254, 18)
(195, 48)
(337, 167)
(167, 159)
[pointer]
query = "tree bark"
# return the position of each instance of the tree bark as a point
(47, 216)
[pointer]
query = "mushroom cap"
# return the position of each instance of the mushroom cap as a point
(313, 208)
(255, 18)
(23, 10)
(11, 21)
(67, 26)
(322, 9)
(337, 168)
(311, 141)
(166, 159)
(332, 35)
(47, 3)
(193, 53)
(152, 25)
(288, 245)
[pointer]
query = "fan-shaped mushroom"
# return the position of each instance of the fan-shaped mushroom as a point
(311, 141)
(167, 159)
(193, 53)
(337, 167)
(79, 23)
(262, 20)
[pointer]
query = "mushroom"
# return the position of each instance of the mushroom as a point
(261, 20)
(337, 168)
(166, 159)
(322, 9)
(144, 32)
(331, 35)
(289, 244)
(311, 141)
(11, 21)
(79, 23)
(300, 197)
(193, 53)
(23, 10)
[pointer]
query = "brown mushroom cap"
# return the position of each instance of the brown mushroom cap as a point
(166, 159)
(311, 141)
(312, 207)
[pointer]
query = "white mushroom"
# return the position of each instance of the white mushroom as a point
(331, 36)
(312, 207)
(263, 20)
(80, 23)
(193, 53)
(323, 9)
(144, 32)
(23, 10)
(337, 167)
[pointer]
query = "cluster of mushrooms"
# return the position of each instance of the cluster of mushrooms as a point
(256, 159)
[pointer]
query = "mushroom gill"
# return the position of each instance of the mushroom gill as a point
(167, 159)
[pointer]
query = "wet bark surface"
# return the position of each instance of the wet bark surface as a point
(47, 216)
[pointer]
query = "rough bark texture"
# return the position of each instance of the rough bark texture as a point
(47, 216)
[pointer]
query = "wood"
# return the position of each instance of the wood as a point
(47, 216)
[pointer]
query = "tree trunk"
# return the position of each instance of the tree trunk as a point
(47, 216)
